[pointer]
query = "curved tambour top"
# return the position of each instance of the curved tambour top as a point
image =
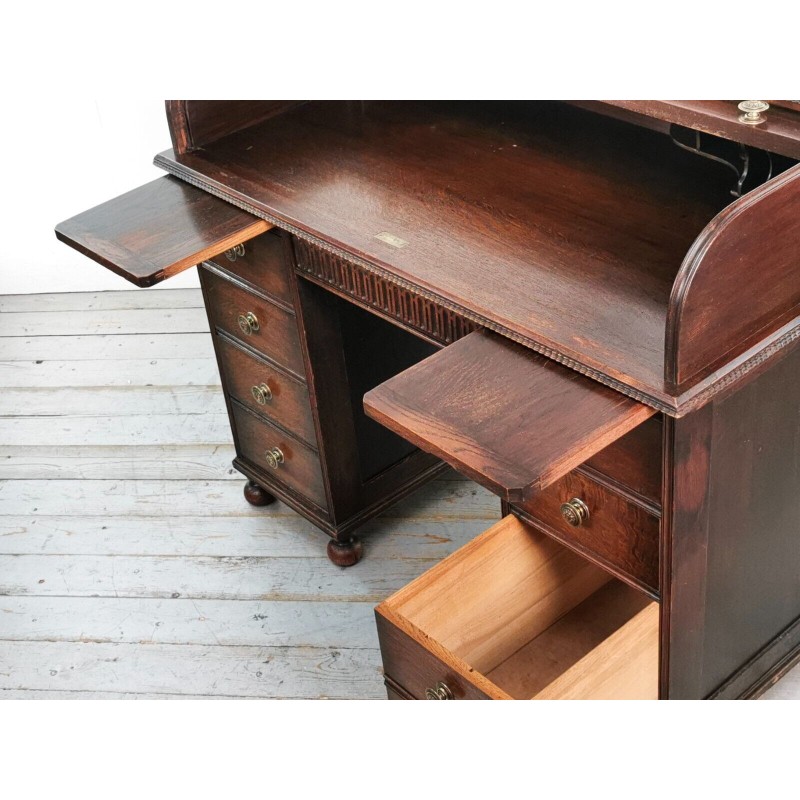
(739, 283)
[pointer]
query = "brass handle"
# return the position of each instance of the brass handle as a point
(752, 111)
(248, 322)
(262, 394)
(575, 512)
(439, 692)
(274, 457)
(235, 252)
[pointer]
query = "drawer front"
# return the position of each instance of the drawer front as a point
(299, 467)
(262, 261)
(634, 461)
(619, 531)
(267, 328)
(259, 387)
(415, 668)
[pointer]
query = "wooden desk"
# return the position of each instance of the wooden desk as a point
(564, 302)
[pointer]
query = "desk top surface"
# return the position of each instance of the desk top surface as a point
(566, 234)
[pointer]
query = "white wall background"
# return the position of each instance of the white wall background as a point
(62, 156)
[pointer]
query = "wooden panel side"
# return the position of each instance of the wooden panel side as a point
(178, 125)
(730, 549)
(510, 419)
(200, 122)
(738, 283)
(623, 667)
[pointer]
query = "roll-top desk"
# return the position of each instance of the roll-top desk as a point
(590, 308)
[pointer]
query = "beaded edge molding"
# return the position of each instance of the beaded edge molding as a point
(694, 397)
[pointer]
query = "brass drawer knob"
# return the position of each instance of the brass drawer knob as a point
(274, 457)
(752, 111)
(262, 394)
(575, 512)
(235, 252)
(248, 322)
(439, 692)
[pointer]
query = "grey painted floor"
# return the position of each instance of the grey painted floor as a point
(130, 565)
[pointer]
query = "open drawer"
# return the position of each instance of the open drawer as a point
(159, 230)
(515, 615)
(510, 419)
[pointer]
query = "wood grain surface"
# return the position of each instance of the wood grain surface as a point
(508, 418)
(561, 226)
(158, 230)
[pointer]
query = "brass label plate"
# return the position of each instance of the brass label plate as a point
(391, 239)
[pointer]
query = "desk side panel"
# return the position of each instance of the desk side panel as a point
(731, 555)
(738, 283)
(194, 123)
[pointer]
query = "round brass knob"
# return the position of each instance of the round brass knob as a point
(575, 512)
(752, 111)
(439, 692)
(274, 457)
(248, 322)
(262, 394)
(235, 252)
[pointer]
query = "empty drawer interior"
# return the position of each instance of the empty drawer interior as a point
(536, 619)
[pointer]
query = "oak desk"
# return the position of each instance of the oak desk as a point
(590, 308)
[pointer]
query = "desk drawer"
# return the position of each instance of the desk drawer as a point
(263, 262)
(515, 615)
(622, 533)
(265, 390)
(254, 321)
(297, 466)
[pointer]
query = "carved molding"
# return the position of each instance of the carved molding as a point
(411, 309)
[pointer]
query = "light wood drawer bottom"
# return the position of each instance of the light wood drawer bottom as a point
(515, 615)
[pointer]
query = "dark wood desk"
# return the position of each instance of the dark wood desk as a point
(590, 308)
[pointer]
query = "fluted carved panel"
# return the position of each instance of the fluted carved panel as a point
(376, 292)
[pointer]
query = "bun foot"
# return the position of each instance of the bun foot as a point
(345, 554)
(256, 496)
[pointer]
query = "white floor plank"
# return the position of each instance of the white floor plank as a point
(212, 622)
(95, 401)
(130, 372)
(102, 301)
(306, 672)
(106, 348)
(127, 462)
(56, 694)
(85, 322)
(208, 427)
(215, 578)
(439, 500)
(279, 534)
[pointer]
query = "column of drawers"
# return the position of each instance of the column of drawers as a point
(250, 304)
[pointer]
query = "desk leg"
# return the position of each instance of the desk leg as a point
(346, 553)
(256, 495)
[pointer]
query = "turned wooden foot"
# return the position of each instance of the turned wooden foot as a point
(345, 554)
(256, 496)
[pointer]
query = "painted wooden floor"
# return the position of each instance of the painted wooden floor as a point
(130, 564)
